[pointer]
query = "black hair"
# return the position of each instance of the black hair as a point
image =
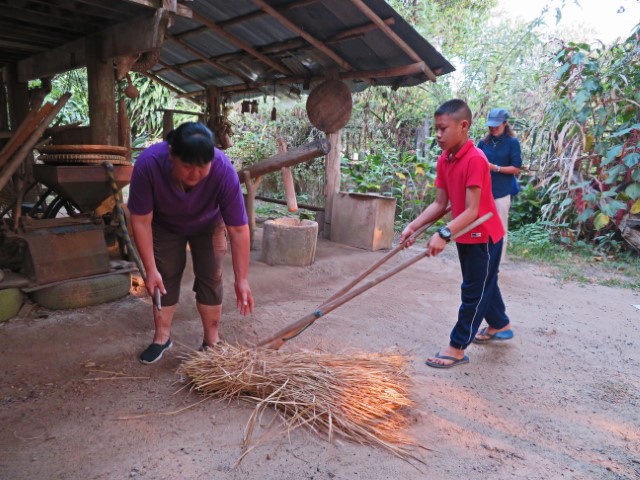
(192, 142)
(456, 108)
(508, 131)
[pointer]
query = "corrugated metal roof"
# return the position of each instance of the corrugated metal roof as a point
(371, 50)
(239, 46)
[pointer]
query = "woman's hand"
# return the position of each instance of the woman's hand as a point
(244, 299)
(154, 279)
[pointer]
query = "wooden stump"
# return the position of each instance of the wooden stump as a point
(289, 241)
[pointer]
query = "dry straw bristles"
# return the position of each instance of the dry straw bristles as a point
(362, 397)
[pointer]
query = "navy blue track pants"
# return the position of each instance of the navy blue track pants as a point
(481, 298)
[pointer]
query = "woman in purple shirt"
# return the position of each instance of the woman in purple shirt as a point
(184, 191)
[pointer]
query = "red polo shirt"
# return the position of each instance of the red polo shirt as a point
(469, 168)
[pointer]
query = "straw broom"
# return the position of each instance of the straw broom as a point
(362, 397)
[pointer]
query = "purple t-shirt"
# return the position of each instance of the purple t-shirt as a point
(219, 195)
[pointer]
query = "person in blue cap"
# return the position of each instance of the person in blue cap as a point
(502, 150)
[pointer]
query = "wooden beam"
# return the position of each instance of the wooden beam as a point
(165, 84)
(413, 69)
(395, 38)
(170, 5)
(358, 31)
(181, 112)
(309, 38)
(241, 44)
(182, 74)
(137, 35)
(261, 13)
(303, 206)
(206, 59)
(364, 75)
(289, 158)
(297, 43)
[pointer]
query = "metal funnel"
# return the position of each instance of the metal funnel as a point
(87, 186)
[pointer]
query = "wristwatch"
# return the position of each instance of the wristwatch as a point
(445, 233)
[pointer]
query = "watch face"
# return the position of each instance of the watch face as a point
(445, 233)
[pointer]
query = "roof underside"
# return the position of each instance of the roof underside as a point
(244, 47)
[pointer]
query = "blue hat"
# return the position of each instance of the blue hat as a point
(497, 116)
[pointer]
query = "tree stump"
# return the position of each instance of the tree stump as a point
(630, 230)
(289, 241)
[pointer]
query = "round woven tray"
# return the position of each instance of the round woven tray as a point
(82, 159)
(85, 149)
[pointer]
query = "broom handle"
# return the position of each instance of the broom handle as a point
(296, 328)
(393, 252)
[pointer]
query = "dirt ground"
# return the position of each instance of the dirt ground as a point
(561, 400)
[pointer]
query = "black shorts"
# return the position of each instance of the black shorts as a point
(207, 252)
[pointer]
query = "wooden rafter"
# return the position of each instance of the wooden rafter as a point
(240, 43)
(395, 38)
(182, 74)
(309, 38)
(407, 70)
(163, 82)
(205, 59)
(290, 45)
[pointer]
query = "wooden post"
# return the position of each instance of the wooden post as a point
(18, 96)
(287, 180)
(213, 99)
(101, 79)
(332, 179)
(167, 123)
(4, 112)
(250, 201)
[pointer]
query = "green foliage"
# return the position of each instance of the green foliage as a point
(526, 206)
(145, 115)
(77, 107)
(390, 172)
(592, 123)
(255, 139)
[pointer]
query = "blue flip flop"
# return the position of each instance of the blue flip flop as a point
(506, 335)
(456, 361)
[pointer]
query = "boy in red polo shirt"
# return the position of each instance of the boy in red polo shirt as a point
(463, 178)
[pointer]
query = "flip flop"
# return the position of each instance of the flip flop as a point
(506, 335)
(456, 361)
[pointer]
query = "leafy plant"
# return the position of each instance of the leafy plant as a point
(590, 169)
(526, 206)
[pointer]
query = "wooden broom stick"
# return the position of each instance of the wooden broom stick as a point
(296, 328)
(393, 252)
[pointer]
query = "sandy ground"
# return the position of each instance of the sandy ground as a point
(561, 400)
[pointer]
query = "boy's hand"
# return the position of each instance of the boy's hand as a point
(436, 245)
(406, 233)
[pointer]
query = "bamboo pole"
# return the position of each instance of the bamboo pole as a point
(15, 161)
(296, 328)
(34, 117)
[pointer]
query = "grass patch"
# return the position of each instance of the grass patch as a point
(581, 264)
